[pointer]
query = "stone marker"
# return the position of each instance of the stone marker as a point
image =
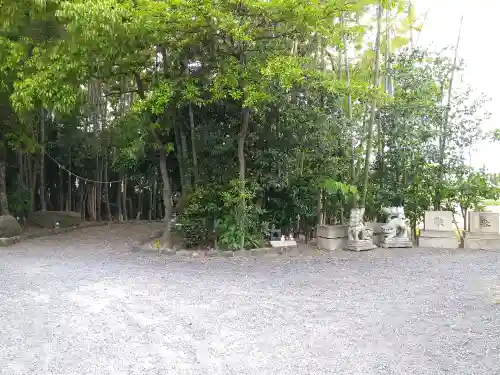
(359, 237)
(483, 231)
(284, 243)
(483, 222)
(395, 230)
(439, 231)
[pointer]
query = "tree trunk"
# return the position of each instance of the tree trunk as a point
(43, 202)
(130, 208)
(32, 166)
(446, 112)
(319, 208)
(61, 190)
(194, 152)
(20, 175)
(150, 199)
(124, 198)
(140, 199)
(410, 21)
(245, 119)
(119, 199)
(70, 184)
(192, 131)
(185, 156)
(4, 203)
(179, 153)
(106, 186)
(153, 203)
(98, 187)
(167, 194)
(83, 196)
(349, 103)
(376, 82)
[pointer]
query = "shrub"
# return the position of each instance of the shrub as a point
(214, 215)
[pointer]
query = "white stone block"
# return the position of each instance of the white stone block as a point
(484, 222)
(332, 231)
(331, 237)
(483, 241)
(439, 221)
(286, 243)
(438, 242)
(331, 244)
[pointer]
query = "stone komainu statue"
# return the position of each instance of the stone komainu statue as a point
(357, 230)
(396, 224)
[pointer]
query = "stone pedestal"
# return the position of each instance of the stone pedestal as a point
(395, 230)
(332, 237)
(360, 245)
(482, 241)
(439, 231)
(483, 231)
(396, 242)
(359, 237)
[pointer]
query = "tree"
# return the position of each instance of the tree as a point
(469, 190)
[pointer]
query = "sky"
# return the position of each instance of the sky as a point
(478, 47)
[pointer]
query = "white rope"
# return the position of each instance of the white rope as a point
(83, 178)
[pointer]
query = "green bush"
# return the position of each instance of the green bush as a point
(19, 202)
(221, 215)
(198, 213)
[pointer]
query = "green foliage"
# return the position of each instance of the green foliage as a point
(20, 202)
(210, 213)
(117, 80)
(198, 216)
(471, 188)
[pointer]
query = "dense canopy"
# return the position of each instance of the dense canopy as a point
(234, 115)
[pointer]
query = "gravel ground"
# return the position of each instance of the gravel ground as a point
(82, 303)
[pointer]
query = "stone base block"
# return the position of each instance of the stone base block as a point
(331, 243)
(332, 237)
(7, 241)
(482, 241)
(438, 239)
(360, 246)
(332, 231)
(396, 243)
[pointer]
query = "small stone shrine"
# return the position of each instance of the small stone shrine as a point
(288, 241)
(359, 237)
(395, 230)
(439, 231)
(483, 231)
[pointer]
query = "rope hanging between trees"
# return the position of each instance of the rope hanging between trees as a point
(83, 178)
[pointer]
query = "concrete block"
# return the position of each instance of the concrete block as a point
(439, 221)
(484, 222)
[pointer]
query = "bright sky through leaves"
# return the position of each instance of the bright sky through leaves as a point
(478, 50)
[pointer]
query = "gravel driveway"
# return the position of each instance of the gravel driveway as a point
(82, 303)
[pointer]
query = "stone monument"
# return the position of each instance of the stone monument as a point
(483, 231)
(359, 237)
(439, 231)
(395, 229)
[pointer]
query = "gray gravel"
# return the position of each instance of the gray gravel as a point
(82, 303)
